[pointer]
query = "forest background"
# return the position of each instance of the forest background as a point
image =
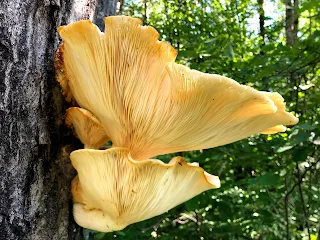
(270, 183)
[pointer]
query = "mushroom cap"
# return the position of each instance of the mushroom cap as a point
(112, 190)
(86, 127)
(151, 105)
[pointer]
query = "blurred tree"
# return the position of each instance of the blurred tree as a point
(292, 20)
(104, 8)
(261, 22)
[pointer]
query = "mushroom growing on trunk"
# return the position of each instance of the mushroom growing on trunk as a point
(148, 105)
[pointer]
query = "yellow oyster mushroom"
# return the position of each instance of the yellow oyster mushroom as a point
(112, 190)
(151, 105)
(86, 127)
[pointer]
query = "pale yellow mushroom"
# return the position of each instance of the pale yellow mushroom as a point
(151, 105)
(112, 190)
(275, 129)
(281, 109)
(86, 127)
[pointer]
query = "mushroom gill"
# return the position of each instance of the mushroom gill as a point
(112, 190)
(86, 127)
(151, 105)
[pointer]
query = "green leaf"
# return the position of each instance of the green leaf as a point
(313, 237)
(120, 233)
(99, 236)
(309, 5)
(269, 179)
(300, 155)
(229, 51)
(192, 204)
(302, 136)
(283, 149)
(307, 126)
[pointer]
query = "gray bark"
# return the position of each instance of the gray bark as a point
(35, 170)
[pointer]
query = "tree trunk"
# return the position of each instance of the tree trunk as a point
(292, 19)
(104, 8)
(35, 170)
(262, 32)
(144, 13)
(296, 19)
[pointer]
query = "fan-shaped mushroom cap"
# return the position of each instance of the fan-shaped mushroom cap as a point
(86, 127)
(112, 190)
(149, 104)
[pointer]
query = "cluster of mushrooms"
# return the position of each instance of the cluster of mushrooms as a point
(127, 88)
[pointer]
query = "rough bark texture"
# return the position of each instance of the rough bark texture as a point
(35, 170)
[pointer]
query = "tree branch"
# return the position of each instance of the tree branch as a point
(302, 201)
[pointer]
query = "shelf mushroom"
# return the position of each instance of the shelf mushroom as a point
(148, 105)
(86, 127)
(113, 190)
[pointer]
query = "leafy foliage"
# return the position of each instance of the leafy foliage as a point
(270, 183)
